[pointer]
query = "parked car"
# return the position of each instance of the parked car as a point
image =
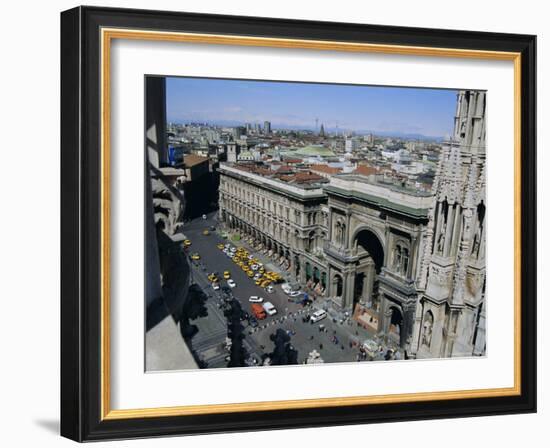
(231, 283)
(317, 316)
(269, 289)
(227, 275)
(195, 256)
(270, 308)
(215, 286)
(294, 293)
(258, 311)
(252, 321)
(255, 299)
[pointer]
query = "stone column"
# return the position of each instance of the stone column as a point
(385, 317)
(407, 326)
(347, 235)
(449, 230)
(412, 260)
(389, 245)
(368, 282)
(417, 329)
(348, 290)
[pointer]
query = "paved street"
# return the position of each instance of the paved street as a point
(335, 343)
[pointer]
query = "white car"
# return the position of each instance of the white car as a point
(294, 293)
(215, 286)
(256, 299)
(269, 308)
(254, 267)
(250, 257)
(318, 315)
(257, 276)
(286, 288)
(231, 283)
(269, 289)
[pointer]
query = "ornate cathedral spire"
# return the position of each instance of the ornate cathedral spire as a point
(452, 269)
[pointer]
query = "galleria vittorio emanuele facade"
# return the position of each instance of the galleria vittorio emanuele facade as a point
(412, 261)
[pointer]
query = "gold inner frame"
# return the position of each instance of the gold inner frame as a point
(107, 35)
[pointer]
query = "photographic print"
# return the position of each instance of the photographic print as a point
(265, 198)
(292, 223)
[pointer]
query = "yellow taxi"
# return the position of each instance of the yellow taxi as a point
(220, 246)
(195, 256)
(205, 232)
(187, 243)
(250, 273)
(226, 275)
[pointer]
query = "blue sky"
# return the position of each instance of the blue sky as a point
(428, 112)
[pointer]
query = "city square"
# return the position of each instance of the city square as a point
(307, 244)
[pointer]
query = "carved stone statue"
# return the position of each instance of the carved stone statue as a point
(441, 239)
(477, 242)
(427, 333)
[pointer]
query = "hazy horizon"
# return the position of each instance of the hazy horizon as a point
(290, 105)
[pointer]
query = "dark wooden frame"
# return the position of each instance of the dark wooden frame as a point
(81, 223)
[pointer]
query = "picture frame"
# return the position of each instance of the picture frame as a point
(86, 37)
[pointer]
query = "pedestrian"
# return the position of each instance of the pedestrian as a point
(320, 346)
(342, 346)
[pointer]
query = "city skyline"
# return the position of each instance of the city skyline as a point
(290, 105)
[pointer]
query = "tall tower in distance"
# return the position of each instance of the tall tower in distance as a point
(450, 313)
(322, 131)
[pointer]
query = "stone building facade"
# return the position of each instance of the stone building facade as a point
(354, 239)
(291, 221)
(451, 312)
(414, 259)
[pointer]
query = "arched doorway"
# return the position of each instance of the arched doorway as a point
(395, 324)
(316, 274)
(368, 246)
(337, 285)
(297, 266)
(308, 271)
(324, 281)
(366, 240)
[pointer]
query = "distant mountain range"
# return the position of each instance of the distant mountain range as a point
(275, 126)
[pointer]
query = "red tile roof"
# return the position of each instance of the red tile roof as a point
(193, 159)
(326, 169)
(365, 170)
